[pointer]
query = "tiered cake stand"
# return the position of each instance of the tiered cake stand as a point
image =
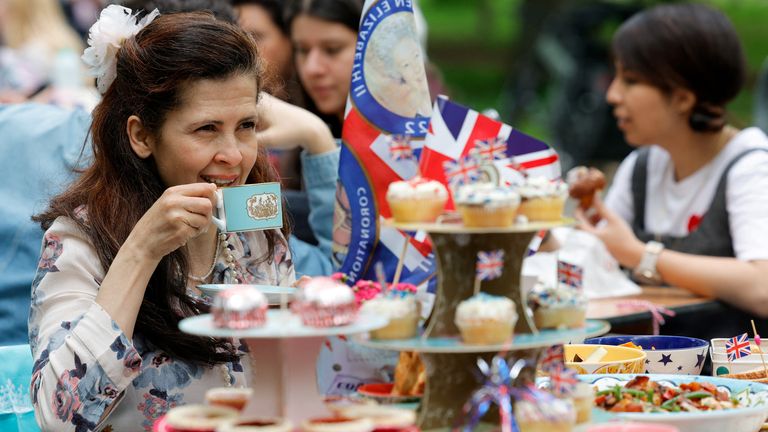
(448, 362)
(284, 353)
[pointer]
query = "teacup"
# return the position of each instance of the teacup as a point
(251, 207)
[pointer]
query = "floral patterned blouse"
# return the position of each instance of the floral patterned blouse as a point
(87, 374)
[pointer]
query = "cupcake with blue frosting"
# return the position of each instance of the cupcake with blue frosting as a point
(557, 306)
(486, 205)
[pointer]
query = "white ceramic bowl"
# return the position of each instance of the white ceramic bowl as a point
(749, 418)
(665, 354)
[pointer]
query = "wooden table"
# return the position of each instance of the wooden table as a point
(635, 320)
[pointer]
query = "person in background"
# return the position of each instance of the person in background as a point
(688, 207)
(127, 243)
(33, 33)
(324, 34)
(42, 144)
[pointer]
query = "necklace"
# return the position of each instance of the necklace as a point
(210, 270)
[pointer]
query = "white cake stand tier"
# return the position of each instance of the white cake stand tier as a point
(283, 352)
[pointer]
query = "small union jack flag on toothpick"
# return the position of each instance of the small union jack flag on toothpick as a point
(562, 380)
(554, 356)
(489, 264)
(737, 347)
(491, 149)
(400, 147)
(570, 274)
(461, 172)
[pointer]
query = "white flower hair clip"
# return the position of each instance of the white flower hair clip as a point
(115, 25)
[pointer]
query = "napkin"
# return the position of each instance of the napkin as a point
(602, 276)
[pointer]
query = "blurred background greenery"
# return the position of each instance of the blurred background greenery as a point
(484, 48)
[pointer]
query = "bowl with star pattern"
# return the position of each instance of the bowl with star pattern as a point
(679, 355)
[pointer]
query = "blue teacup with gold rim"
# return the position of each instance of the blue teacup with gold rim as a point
(251, 207)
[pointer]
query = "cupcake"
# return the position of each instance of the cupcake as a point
(337, 424)
(486, 205)
(233, 397)
(542, 200)
(485, 319)
(416, 200)
(257, 425)
(557, 307)
(583, 183)
(239, 307)
(325, 302)
(198, 418)
(583, 400)
(401, 309)
(544, 415)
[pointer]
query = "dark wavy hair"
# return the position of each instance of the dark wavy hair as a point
(153, 69)
(345, 12)
(691, 46)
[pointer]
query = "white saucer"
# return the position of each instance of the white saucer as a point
(272, 292)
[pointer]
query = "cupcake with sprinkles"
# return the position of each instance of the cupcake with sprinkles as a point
(486, 205)
(325, 302)
(543, 200)
(416, 200)
(557, 306)
(485, 319)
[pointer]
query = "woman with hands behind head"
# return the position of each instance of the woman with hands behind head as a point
(688, 207)
(128, 242)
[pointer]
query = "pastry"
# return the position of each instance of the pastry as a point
(239, 307)
(337, 424)
(410, 376)
(484, 319)
(557, 307)
(198, 418)
(583, 401)
(325, 302)
(401, 309)
(233, 397)
(257, 425)
(416, 200)
(583, 183)
(486, 205)
(542, 200)
(386, 417)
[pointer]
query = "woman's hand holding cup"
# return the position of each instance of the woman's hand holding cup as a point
(181, 213)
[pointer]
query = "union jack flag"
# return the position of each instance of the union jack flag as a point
(489, 264)
(738, 347)
(491, 149)
(400, 147)
(461, 172)
(456, 131)
(569, 274)
(562, 380)
(553, 357)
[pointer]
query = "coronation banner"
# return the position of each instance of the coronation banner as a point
(386, 121)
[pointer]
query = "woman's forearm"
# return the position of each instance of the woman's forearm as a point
(122, 290)
(743, 284)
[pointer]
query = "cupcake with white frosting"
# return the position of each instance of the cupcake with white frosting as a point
(557, 306)
(416, 200)
(485, 319)
(486, 205)
(402, 311)
(542, 199)
(325, 302)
